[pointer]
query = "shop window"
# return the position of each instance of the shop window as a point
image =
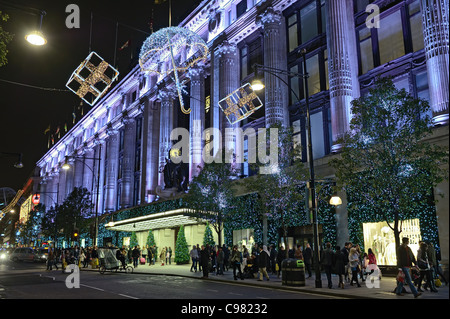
(244, 237)
(390, 37)
(380, 238)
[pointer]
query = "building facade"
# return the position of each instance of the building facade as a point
(118, 151)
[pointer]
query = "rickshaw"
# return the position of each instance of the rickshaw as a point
(110, 263)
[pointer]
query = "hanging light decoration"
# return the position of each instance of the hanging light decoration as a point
(172, 50)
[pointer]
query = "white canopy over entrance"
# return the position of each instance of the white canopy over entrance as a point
(169, 219)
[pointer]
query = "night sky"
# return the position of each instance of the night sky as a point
(26, 112)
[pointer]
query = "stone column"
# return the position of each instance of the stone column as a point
(111, 172)
(101, 152)
(342, 66)
(129, 150)
(70, 177)
(150, 150)
(435, 21)
(88, 169)
(275, 56)
(96, 187)
(229, 79)
(197, 119)
(61, 188)
(78, 168)
(166, 127)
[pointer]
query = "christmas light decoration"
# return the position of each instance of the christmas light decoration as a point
(240, 104)
(92, 78)
(172, 49)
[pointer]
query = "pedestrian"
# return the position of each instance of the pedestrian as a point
(431, 252)
(307, 258)
(94, 257)
(226, 260)
(236, 260)
(88, 257)
(220, 260)
(327, 261)
(204, 260)
(263, 260)
(82, 257)
(424, 267)
(298, 253)
(154, 254)
(405, 259)
(169, 256)
(345, 251)
(136, 253)
(273, 259)
(354, 265)
(280, 257)
(149, 255)
(120, 257)
(194, 256)
(339, 266)
(372, 263)
(162, 256)
(51, 260)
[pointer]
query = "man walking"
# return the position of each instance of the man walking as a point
(307, 257)
(327, 262)
(405, 259)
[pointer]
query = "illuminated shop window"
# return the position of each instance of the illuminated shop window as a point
(244, 237)
(380, 238)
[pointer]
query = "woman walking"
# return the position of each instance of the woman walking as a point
(353, 258)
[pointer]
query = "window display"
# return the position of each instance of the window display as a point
(244, 237)
(380, 237)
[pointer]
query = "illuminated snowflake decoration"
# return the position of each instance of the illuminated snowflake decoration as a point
(92, 78)
(173, 49)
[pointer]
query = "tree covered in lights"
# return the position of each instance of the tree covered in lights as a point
(386, 161)
(208, 237)
(280, 187)
(5, 38)
(133, 240)
(31, 228)
(75, 212)
(181, 248)
(211, 194)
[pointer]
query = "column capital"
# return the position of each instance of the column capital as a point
(270, 17)
(226, 48)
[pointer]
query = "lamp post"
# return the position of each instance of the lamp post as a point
(67, 166)
(311, 182)
(35, 37)
(19, 163)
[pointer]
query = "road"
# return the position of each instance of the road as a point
(32, 281)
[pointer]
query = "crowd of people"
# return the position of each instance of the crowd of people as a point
(257, 262)
(350, 264)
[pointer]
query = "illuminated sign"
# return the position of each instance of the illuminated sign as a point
(240, 104)
(92, 78)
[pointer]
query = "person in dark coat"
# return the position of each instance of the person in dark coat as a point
(345, 251)
(339, 266)
(307, 258)
(204, 260)
(280, 257)
(327, 262)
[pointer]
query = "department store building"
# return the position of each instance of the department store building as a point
(129, 128)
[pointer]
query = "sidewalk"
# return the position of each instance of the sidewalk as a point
(387, 284)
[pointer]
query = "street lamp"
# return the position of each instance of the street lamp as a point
(311, 182)
(66, 166)
(19, 163)
(35, 37)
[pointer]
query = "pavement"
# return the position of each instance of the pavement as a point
(383, 289)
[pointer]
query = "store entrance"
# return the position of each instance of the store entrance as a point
(299, 235)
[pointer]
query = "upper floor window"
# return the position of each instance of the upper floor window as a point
(241, 8)
(400, 32)
(306, 23)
